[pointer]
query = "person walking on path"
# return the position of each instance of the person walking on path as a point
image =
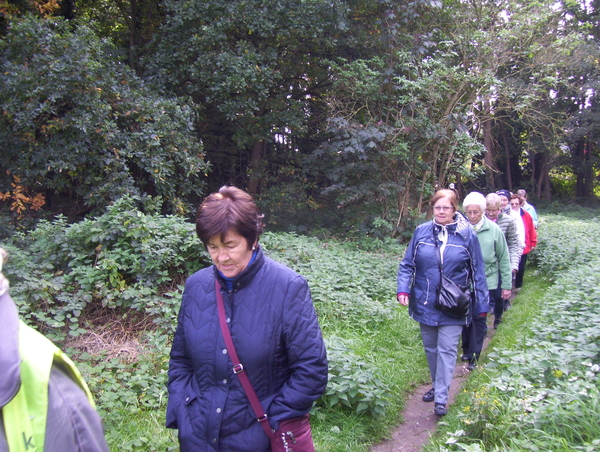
(508, 227)
(528, 207)
(496, 260)
(530, 237)
(418, 280)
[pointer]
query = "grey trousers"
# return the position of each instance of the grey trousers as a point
(441, 344)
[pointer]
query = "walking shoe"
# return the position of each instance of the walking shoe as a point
(429, 395)
(472, 365)
(464, 358)
(496, 323)
(440, 409)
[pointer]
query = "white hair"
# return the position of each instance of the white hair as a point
(475, 198)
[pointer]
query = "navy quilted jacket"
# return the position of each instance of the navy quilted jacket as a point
(278, 340)
(419, 273)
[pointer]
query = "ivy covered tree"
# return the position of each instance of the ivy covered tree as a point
(81, 128)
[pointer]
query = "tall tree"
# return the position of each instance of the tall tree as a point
(82, 128)
(255, 69)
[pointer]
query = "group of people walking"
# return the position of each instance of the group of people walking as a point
(483, 249)
(248, 358)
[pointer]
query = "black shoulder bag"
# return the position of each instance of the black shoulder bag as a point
(452, 299)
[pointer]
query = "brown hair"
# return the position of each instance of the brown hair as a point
(520, 198)
(229, 209)
(450, 194)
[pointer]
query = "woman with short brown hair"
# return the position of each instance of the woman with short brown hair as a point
(273, 327)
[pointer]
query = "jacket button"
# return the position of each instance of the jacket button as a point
(218, 410)
(224, 351)
(225, 381)
(187, 399)
(227, 320)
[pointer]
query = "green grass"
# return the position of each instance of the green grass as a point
(354, 293)
(537, 389)
(539, 386)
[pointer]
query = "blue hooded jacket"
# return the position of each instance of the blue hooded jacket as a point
(419, 273)
(277, 337)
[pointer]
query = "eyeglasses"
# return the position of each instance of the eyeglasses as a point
(440, 208)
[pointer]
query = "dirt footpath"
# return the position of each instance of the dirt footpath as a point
(419, 420)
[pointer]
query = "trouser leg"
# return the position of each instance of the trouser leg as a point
(440, 344)
(478, 332)
(466, 339)
(498, 302)
(520, 271)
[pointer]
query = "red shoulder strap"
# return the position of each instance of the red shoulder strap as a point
(238, 368)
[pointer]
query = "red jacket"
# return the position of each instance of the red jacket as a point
(530, 232)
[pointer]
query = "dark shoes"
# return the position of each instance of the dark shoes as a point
(429, 395)
(440, 409)
(464, 358)
(496, 323)
(472, 365)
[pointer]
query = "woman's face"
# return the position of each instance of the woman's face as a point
(515, 204)
(443, 212)
(492, 212)
(231, 256)
(474, 213)
(503, 202)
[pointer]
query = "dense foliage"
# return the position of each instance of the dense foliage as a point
(543, 392)
(108, 290)
(325, 111)
(80, 128)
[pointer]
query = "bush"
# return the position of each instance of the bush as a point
(122, 260)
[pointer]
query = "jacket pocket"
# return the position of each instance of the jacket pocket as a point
(190, 420)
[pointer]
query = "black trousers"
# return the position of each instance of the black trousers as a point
(473, 336)
(520, 271)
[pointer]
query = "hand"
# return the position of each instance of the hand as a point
(402, 299)
(506, 294)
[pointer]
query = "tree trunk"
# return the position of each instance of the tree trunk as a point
(256, 159)
(488, 142)
(507, 153)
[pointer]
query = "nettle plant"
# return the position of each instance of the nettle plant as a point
(122, 260)
(546, 394)
(354, 384)
(132, 261)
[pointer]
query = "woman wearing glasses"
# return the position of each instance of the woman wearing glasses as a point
(450, 235)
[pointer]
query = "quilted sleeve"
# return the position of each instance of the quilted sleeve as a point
(306, 355)
(406, 269)
(180, 369)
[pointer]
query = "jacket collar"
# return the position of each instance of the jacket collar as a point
(10, 360)
(460, 225)
(244, 278)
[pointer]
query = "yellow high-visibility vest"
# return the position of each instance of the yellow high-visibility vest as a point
(25, 415)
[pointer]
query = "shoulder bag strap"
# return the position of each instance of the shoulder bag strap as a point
(238, 368)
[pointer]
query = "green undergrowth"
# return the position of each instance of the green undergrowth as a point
(108, 290)
(539, 386)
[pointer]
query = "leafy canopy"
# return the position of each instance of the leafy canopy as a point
(78, 124)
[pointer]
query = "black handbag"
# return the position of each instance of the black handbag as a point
(452, 299)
